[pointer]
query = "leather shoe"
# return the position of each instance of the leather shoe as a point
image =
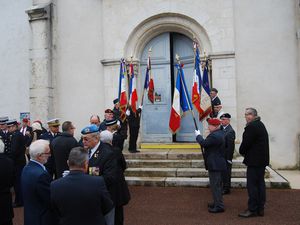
(210, 205)
(133, 151)
(248, 214)
(225, 192)
(261, 212)
(215, 210)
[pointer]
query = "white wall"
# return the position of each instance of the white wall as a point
(14, 58)
(267, 72)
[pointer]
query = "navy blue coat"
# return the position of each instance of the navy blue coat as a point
(229, 142)
(36, 194)
(213, 147)
(80, 199)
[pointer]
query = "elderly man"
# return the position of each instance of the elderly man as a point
(106, 138)
(108, 115)
(255, 149)
(79, 198)
(95, 119)
(7, 180)
(215, 163)
(61, 147)
(36, 186)
(17, 154)
(229, 150)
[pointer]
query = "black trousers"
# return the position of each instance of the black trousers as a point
(215, 181)
(17, 184)
(256, 188)
(226, 176)
(133, 132)
(119, 215)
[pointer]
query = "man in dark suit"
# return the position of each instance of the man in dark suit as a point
(213, 147)
(215, 103)
(17, 154)
(133, 119)
(4, 134)
(229, 150)
(36, 186)
(53, 125)
(80, 199)
(7, 180)
(61, 147)
(26, 130)
(255, 149)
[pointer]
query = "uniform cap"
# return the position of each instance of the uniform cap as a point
(214, 121)
(116, 101)
(90, 129)
(111, 122)
(10, 123)
(108, 111)
(3, 120)
(225, 115)
(53, 122)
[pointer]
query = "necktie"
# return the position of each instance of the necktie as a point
(90, 153)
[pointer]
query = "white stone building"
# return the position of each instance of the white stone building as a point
(60, 58)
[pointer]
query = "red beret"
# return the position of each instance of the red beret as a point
(214, 121)
(25, 120)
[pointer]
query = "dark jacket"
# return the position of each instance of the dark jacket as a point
(36, 194)
(27, 137)
(5, 135)
(17, 148)
(213, 147)
(255, 144)
(134, 118)
(80, 199)
(229, 142)
(7, 179)
(61, 147)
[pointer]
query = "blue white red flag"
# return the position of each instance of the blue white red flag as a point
(122, 89)
(133, 97)
(196, 89)
(205, 103)
(149, 82)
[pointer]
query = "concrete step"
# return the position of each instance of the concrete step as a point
(275, 180)
(175, 145)
(164, 154)
(173, 163)
(179, 172)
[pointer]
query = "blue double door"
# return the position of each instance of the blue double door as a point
(155, 117)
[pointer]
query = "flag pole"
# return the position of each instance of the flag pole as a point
(186, 96)
(149, 54)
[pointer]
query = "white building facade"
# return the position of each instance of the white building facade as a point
(60, 58)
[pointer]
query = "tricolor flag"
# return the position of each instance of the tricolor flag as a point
(196, 89)
(132, 89)
(122, 90)
(180, 100)
(149, 83)
(205, 103)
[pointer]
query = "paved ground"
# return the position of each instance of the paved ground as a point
(188, 206)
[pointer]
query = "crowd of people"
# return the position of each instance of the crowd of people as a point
(51, 171)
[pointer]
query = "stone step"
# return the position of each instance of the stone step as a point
(275, 180)
(175, 145)
(164, 154)
(173, 163)
(179, 172)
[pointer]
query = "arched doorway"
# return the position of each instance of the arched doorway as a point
(155, 118)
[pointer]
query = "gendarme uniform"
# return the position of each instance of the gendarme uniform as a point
(5, 135)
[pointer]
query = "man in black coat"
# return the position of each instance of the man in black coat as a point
(26, 130)
(17, 154)
(36, 186)
(4, 134)
(53, 125)
(61, 147)
(213, 147)
(133, 119)
(80, 199)
(229, 150)
(255, 149)
(7, 180)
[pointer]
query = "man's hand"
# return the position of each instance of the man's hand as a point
(128, 112)
(197, 132)
(141, 107)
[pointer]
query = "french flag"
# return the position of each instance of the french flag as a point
(122, 90)
(205, 103)
(149, 82)
(133, 97)
(196, 89)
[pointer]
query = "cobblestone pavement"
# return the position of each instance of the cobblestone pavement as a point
(188, 206)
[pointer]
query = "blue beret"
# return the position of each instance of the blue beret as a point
(90, 129)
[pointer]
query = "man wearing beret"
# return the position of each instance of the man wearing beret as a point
(213, 147)
(108, 115)
(18, 156)
(53, 125)
(255, 149)
(229, 150)
(4, 134)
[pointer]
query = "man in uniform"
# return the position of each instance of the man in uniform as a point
(255, 149)
(5, 134)
(215, 163)
(229, 150)
(17, 154)
(53, 125)
(108, 115)
(133, 119)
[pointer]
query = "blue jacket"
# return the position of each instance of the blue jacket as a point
(213, 147)
(36, 194)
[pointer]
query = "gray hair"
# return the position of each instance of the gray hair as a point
(252, 111)
(77, 157)
(1, 146)
(106, 136)
(38, 147)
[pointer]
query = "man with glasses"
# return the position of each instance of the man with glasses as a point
(255, 149)
(61, 147)
(36, 186)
